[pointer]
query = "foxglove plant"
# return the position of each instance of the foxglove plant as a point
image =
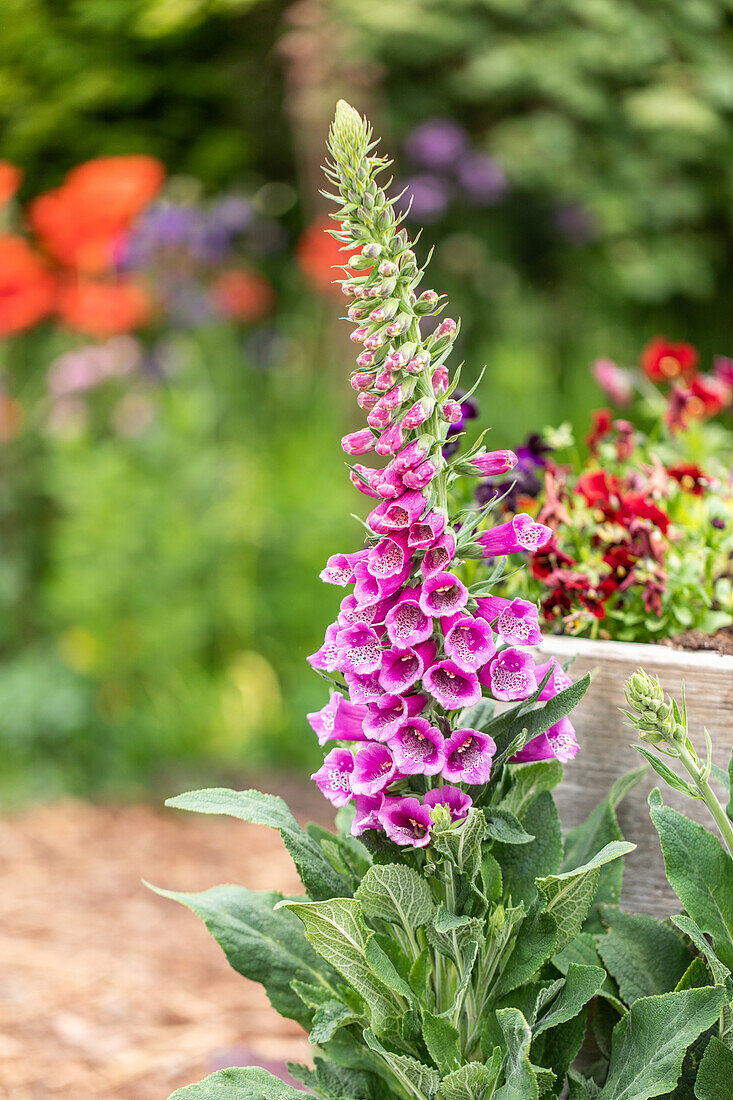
(429, 959)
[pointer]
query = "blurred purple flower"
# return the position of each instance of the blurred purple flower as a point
(427, 196)
(576, 223)
(436, 143)
(469, 411)
(481, 178)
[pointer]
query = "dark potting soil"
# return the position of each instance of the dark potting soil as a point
(719, 642)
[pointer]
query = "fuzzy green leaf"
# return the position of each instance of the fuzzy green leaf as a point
(569, 895)
(581, 984)
(239, 1084)
(521, 866)
(665, 772)
(533, 946)
(262, 944)
(467, 1083)
(529, 780)
(502, 825)
(328, 1018)
(519, 1077)
(643, 954)
(649, 1043)
(441, 1039)
(715, 1075)
(398, 894)
(316, 873)
(700, 872)
(461, 842)
(416, 1078)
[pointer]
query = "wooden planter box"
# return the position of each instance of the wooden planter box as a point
(606, 746)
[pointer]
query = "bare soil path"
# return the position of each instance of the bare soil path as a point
(108, 991)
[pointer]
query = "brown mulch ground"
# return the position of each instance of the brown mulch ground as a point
(719, 642)
(108, 991)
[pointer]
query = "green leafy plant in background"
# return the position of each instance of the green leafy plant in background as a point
(444, 949)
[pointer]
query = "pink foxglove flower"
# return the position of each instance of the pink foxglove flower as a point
(422, 475)
(406, 822)
(468, 641)
(339, 568)
(425, 532)
(388, 557)
(360, 650)
(358, 443)
(386, 714)
(363, 687)
(406, 623)
(558, 681)
(366, 815)
(559, 741)
(493, 463)
(453, 798)
(468, 756)
(515, 621)
(443, 595)
(418, 748)
(333, 778)
(374, 769)
(439, 555)
(520, 533)
(451, 686)
(397, 514)
(339, 720)
(402, 668)
(510, 675)
(326, 659)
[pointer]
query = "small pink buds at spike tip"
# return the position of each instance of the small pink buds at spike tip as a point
(395, 397)
(447, 328)
(492, 463)
(359, 335)
(450, 411)
(362, 380)
(440, 381)
(428, 300)
(418, 363)
(356, 313)
(418, 414)
(390, 441)
(366, 359)
(384, 381)
(358, 443)
(367, 401)
(374, 341)
(412, 455)
(372, 250)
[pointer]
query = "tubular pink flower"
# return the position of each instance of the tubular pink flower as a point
(363, 380)
(388, 483)
(515, 621)
(411, 456)
(359, 649)
(417, 414)
(559, 680)
(402, 668)
(339, 720)
(440, 380)
(379, 418)
(363, 687)
(369, 589)
(406, 822)
(468, 642)
(386, 714)
(492, 463)
(443, 594)
(426, 531)
(326, 659)
(559, 741)
(390, 440)
(510, 675)
(360, 484)
(468, 756)
(406, 623)
(520, 533)
(422, 475)
(367, 813)
(374, 769)
(451, 411)
(333, 778)
(457, 801)
(389, 556)
(358, 443)
(394, 515)
(418, 748)
(439, 555)
(452, 686)
(339, 568)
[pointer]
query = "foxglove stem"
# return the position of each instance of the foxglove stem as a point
(692, 766)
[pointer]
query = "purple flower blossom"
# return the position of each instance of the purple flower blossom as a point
(394, 515)
(418, 748)
(359, 649)
(482, 180)
(437, 143)
(440, 555)
(443, 595)
(339, 720)
(424, 532)
(374, 769)
(723, 370)
(456, 800)
(333, 778)
(367, 809)
(387, 713)
(388, 557)
(558, 681)
(339, 568)
(402, 668)
(468, 642)
(451, 686)
(559, 741)
(327, 657)
(492, 463)
(515, 621)
(406, 623)
(510, 675)
(520, 533)
(468, 756)
(363, 687)
(406, 822)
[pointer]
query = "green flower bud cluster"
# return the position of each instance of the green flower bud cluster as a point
(654, 717)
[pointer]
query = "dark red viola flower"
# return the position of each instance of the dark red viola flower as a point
(549, 559)
(640, 506)
(601, 426)
(664, 361)
(690, 477)
(620, 561)
(601, 491)
(705, 397)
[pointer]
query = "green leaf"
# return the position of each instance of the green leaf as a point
(715, 1075)
(569, 895)
(441, 1039)
(537, 721)
(260, 943)
(477, 717)
(581, 984)
(534, 944)
(643, 954)
(398, 894)
(467, 1083)
(519, 1077)
(649, 1043)
(316, 873)
(328, 1018)
(521, 866)
(529, 780)
(580, 1088)
(700, 872)
(239, 1084)
(718, 969)
(337, 931)
(671, 778)
(502, 825)
(461, 842)
(416, 1078)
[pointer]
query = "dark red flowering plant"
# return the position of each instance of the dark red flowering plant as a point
(642, 530)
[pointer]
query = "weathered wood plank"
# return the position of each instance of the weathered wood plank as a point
(607, 752)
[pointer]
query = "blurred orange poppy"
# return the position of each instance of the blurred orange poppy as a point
(10, 180)
(81, 222)
(320, 257)
(243, 295)
(27, 287)
(103, 309)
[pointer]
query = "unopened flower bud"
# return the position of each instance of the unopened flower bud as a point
(385, 312)
(373, 341)
(358, 443)
(418, 413)
(362, 380)
(380, 417)
(367, 401)
(418, 363)
(384, 381)
(387, 268)
(387, 287)
(356, 313)
(451, 411)
(440, 380)
(366, 359)
(372, 250)
(359, 335)
(447, 328)
(427, 301)
(492, 463)
(423, 474)
(400, 324)
(652, 714)
(390, 441)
